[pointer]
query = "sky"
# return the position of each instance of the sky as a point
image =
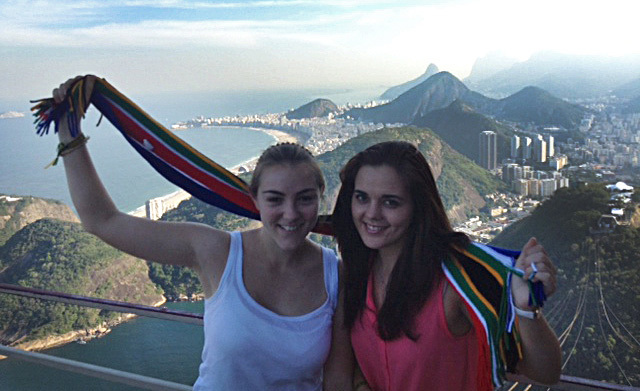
(164, 46)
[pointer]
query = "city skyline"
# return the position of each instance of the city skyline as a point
(179, 46)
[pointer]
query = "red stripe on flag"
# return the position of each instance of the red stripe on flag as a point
(186, 167)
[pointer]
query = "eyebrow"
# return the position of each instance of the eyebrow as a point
(394, 196)
(276, 192)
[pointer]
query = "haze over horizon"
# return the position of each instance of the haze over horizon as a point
(146, 46)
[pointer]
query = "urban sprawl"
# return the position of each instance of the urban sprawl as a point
(538, 164)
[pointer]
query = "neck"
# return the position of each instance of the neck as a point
(383, 265)
(276, 256)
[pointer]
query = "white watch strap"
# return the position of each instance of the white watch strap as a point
(527, 314)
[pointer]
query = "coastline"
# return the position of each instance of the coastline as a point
(278, 135)
(54, 341)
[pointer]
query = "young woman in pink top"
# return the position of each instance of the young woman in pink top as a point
(410, 328)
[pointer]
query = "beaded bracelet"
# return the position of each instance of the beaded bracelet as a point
(65, 149)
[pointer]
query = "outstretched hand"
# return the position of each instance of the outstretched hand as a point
(60, 94)
(537, 267)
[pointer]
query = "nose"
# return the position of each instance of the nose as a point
(290, 211)
(373, 210)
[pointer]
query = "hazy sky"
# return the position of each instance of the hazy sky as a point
(146, 46)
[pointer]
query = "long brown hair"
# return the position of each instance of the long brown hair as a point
(429, 239)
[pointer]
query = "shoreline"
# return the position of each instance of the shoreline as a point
(278, 135)
(99, 331)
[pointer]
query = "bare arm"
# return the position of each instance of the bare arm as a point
(184, 244)
(542, 356)
(338, 369)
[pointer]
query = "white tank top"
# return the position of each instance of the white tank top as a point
(249, 347)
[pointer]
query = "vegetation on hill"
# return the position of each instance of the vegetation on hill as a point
(16, 212)
(537, 106)
(460, 126)
(595, 309)
(316, 108)
(60, 256)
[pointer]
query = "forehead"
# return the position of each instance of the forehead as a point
(383, 179)
(287, 177)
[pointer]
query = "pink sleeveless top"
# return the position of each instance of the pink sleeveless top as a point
(438, 360)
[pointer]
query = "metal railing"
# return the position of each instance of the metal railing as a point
(566, 383)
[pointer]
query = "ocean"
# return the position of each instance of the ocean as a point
(163, 349)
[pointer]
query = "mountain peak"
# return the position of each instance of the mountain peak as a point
(432, 69)
(398, 90)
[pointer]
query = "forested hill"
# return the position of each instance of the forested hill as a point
(18, 211)
(460, 126)
(60, 256)
(595, 309)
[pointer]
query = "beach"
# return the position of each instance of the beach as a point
(280, 136)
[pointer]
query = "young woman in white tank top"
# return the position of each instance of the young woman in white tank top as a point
(272, 314)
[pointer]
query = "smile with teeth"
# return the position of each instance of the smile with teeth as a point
(289, 228)
(373, 229)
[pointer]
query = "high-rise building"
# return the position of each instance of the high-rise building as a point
(516, 150)
(526, 148)
(539, 149)
(550, 145)
(488, 150)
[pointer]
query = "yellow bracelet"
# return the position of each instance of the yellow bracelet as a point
(65, 149)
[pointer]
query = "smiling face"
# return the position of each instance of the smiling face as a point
(382, 209)
(288, 198)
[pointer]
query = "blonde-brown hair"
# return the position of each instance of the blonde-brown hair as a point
(286, 154)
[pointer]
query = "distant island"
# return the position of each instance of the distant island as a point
(11, 114)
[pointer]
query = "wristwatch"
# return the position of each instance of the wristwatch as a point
(535, 314)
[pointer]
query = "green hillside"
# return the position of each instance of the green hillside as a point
(595, 309)
(60, 256)
(535, 105)
(460, 126)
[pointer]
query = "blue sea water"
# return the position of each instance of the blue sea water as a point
(163, 349)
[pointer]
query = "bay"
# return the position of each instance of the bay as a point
(163, 349)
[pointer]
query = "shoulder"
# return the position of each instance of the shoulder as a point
(212, 245)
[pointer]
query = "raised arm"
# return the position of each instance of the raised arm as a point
(186, 244)
(541, 350)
